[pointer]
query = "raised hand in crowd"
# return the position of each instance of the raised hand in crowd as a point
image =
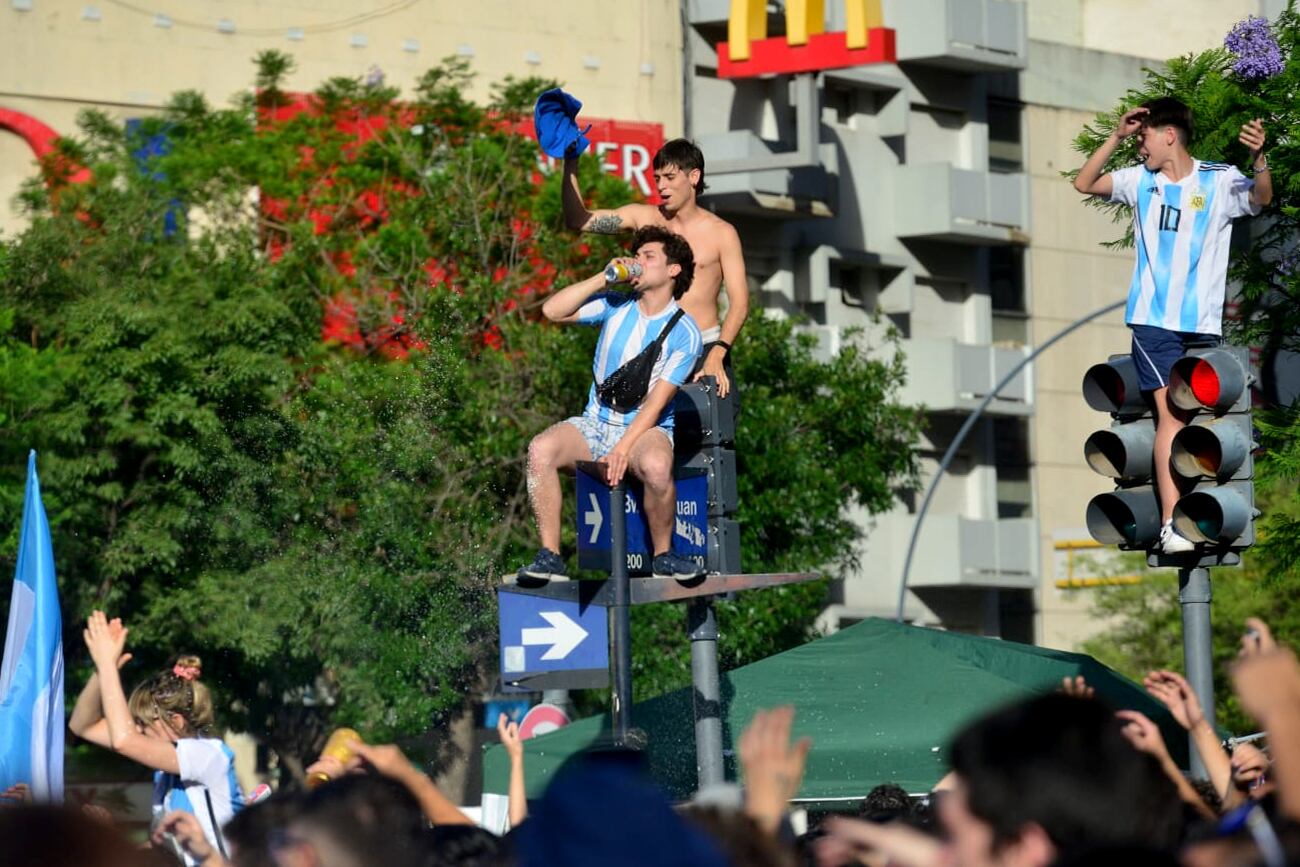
(105, 639)
(1267, 682)
(1144, 735)
(517, 794)
(388, 760)
(1173, 691)
(183, 828)
(1077, 687)
(1257, 638)
(853, 841)
(1250, 767)
(773, 767)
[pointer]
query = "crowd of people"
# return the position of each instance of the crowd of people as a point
(1058, 779)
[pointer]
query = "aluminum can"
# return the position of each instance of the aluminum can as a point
(619, 272)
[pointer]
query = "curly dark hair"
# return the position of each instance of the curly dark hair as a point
(676, 250)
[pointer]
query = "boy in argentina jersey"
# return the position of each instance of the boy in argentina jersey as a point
(1183, 210)
(639, 439)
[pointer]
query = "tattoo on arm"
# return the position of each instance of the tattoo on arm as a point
(610, 224)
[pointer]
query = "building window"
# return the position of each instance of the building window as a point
(1006, 144)
(1006, 282)
(1011, 457)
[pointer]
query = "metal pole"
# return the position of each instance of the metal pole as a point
(961, 437)
(702, 627)
(1198, 654)
(620, 631)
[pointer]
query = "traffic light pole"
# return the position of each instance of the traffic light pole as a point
(620, 627)
(702, 626)
(966, 428)
(1198, 654)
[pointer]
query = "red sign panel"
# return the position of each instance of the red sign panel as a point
(822, 51)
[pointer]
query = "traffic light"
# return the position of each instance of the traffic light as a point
(1212, 454)
(1129, 516)
(704, 438)
(1214, 451)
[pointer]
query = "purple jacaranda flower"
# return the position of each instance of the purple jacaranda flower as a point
(1257, 51)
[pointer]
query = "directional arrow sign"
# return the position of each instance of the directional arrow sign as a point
(593, 518)
(690, 525)
(563, 635)
(540, 635)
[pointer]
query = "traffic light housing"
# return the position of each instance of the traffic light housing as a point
(1213, 452)
(1211, 455)
(1129, 516)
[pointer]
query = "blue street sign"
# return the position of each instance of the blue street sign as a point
(540, 635)
(690, 526)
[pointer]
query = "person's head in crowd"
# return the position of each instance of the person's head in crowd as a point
(1050, 777)
(601, 810)
(885, 803)
(42, 835)
(679, 172)
(468, 846)
(665, 251)
(1209, 794)
(743, 841)
(174, 703)
(354, 821)
(250, 832)
(1166, 131)
(1120, 856)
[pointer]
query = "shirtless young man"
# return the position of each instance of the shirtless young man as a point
(679, 177)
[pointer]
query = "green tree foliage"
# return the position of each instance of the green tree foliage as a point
(282, 362)
(1145, 630)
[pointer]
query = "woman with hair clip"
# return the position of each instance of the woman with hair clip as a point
(165, 725)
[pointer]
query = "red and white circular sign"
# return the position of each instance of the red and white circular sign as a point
(541, 719)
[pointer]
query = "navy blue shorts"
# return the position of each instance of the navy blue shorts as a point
(1156, 349)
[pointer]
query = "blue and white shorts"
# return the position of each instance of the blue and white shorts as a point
(601, 437)
(1156, 349)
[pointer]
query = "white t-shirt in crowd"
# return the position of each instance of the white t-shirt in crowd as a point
(207, 776)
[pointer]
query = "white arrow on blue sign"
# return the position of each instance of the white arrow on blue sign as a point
(563, 635)
(539, 635)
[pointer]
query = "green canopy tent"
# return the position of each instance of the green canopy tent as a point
(880, 700)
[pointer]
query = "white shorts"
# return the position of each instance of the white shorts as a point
(601, 437)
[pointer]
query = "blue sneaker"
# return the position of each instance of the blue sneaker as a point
(672, 565)
(546, 566)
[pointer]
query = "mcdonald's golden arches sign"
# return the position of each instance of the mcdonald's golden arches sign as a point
(806, 46)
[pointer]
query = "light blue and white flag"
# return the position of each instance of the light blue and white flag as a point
(31, 677)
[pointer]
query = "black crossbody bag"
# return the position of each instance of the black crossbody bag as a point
(624, 389)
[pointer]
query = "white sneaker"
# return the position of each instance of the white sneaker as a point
(1172, 543)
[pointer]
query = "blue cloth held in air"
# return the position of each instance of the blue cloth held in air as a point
(555, 120)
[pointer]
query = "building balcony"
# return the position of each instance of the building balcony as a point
(967, 35)
(947, 376)
(952, 551)
(746, 176)
(938, 202)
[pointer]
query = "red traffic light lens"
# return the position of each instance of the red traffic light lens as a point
(1205, 383)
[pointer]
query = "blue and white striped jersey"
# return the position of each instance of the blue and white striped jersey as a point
(1182, 232)
(625, 332)
(207, 767)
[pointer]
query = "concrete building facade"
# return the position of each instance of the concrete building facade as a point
(922, 196)
(58, 57)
